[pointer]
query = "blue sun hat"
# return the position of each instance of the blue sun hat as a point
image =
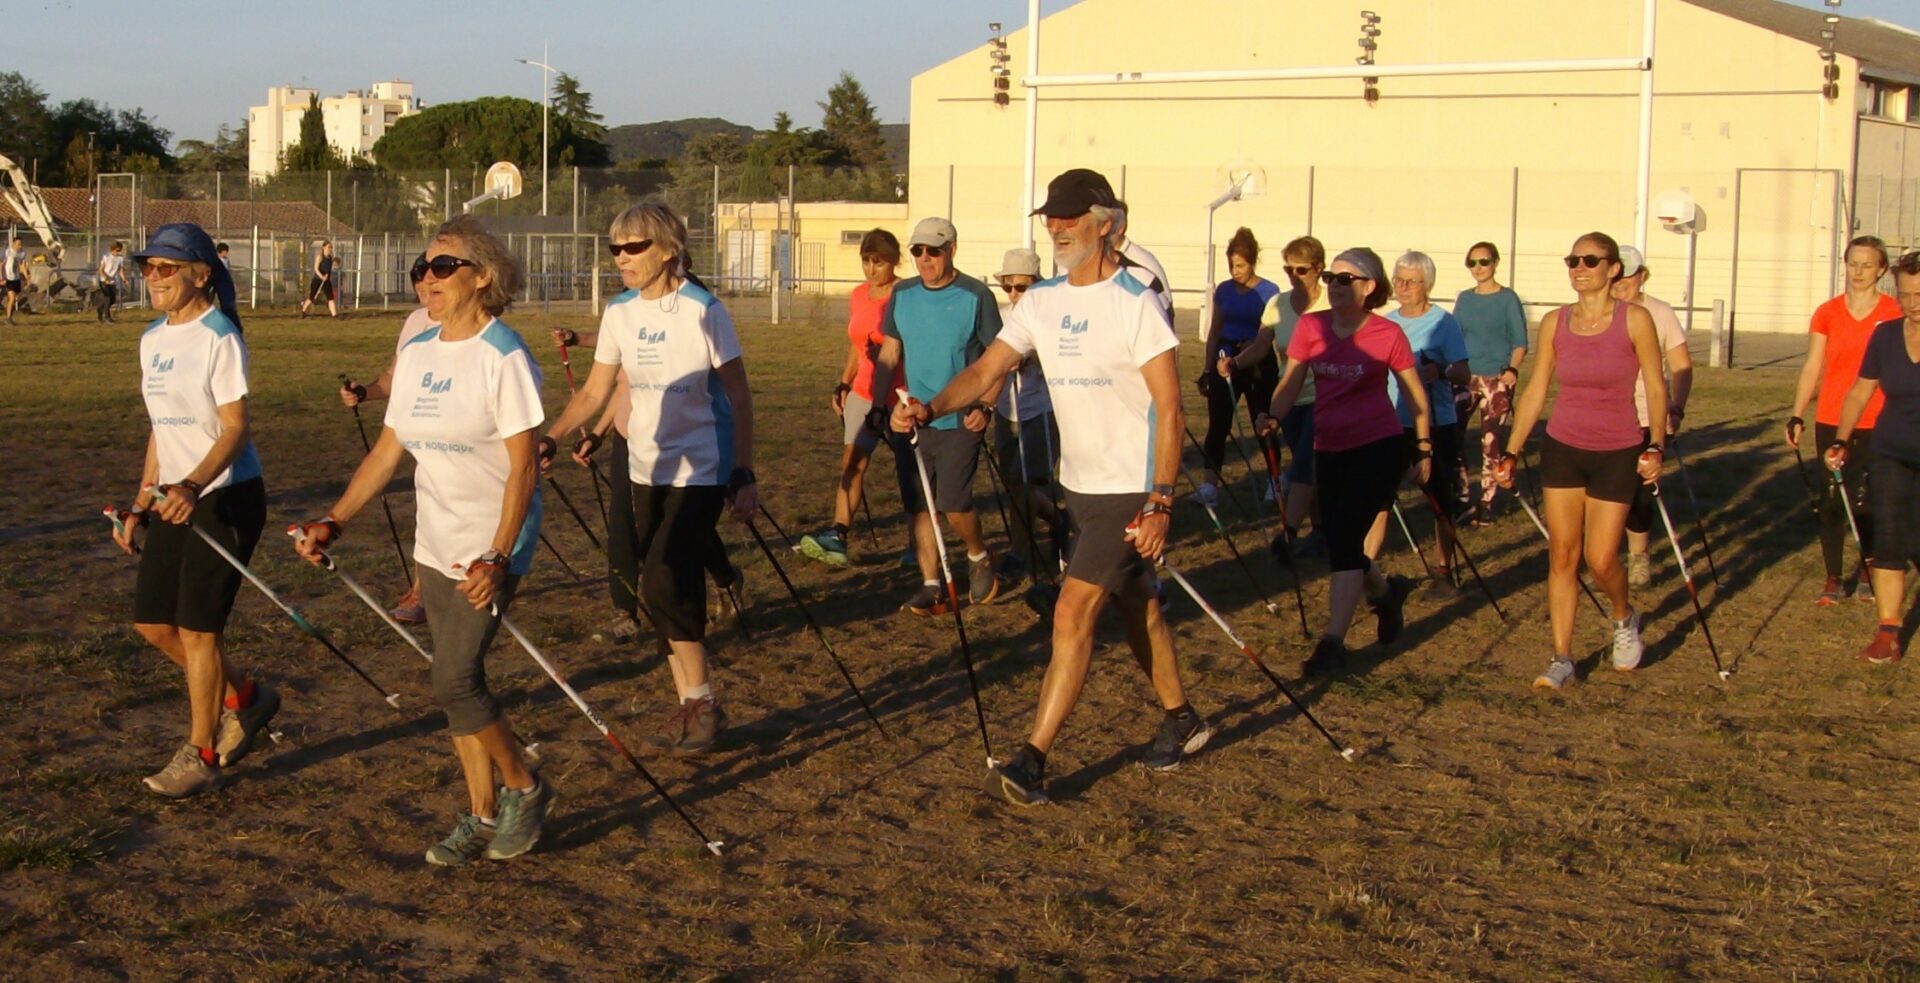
(185, 242)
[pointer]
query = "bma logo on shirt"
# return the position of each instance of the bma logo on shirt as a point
(428, 383)
(652, 337)
(160, 365)
(1071, 326)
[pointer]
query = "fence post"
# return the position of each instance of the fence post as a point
(1715, 345)
(253, 271)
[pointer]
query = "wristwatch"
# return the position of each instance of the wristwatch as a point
(740, 478)
(1155, 508)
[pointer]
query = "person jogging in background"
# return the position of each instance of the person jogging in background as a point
(1494, 323)
(1239, 358)
(113, 276)
(468, 410)
(193, 364)
(1103, 340)
(408, 609)
(854, 397)
(1836, 342)
(1305, 259)
(1025, 461)
(1593, 459)
(13, 274)
(1360, 453)
(1677, 365)
(1889, 371)
(938, 323)
(1440, 359)
(322, 283)
(690, 450)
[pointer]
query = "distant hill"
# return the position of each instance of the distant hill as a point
(665, 139)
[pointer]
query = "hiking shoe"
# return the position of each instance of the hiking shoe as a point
(928, 601)
(184, 776)
(240, 728)
(704, 722)
(1639, 570)
(1884, 648)
(1018, 780)
(1626, 642)
(518, 821)
(621, 629)
(1559, 673)
(828, 547)
(1390, 611)
(1863, 591)
(983, 585)
(1327, 655)
(409, 610)
(1441, 588)
(466, 844)
(672, 730)
(1829, 594)
(1208, 494)
(1175, 740)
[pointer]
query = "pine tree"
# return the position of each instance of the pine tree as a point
(575, 105)
(849, 123)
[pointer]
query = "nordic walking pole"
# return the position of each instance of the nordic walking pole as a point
(1286, 531)
(1026, 479)
(406, 570)
(1344, 752)
(326, 560)
(713, 846)
(815, 626)
(776, 526)
(1440, 515)
(1686, 576)
(1840, 486)
(1223, 486)
(1266, 600)
(566, 363)
(577, 517)
(1239, 443)
(1699, 523)
(577, 575)
(1404, 531)
(392, 698)
(946, 577)
(1800, 465)
(1537, 524)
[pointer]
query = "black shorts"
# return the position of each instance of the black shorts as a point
(182, 581)
(1356, 485)
(1099, 551)
(1610, 476)
(322, 289)
(951, 455)
(16, 286)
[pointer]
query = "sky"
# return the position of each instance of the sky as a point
(204, 63)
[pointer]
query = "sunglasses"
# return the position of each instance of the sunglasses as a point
(1343, 279)
(1587, 260)
(934, 251)
(157, 269)
(418, 271)
(1480, 262)
(1301, 272)
(1014, 289)
(630, 248)
(442, 267)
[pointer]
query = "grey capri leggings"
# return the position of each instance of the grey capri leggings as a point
(461, 637)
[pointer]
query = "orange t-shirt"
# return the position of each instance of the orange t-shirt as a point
(863, 331)
(1846, 346)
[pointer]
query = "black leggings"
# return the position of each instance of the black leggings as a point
(1355, 485)
(1896, 507)
(1833, 517)
(1255, 386)
(623, 537)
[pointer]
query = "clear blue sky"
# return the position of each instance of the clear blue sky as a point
(197, 64)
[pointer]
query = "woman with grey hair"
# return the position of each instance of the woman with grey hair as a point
(1440, 354)
(690, 443)
(470, 421)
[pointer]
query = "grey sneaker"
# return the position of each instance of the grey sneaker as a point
(466, 844)
(1019, 780)
(1559, 673)
(929, 600)
(185, 775)
(1176, 740)
(983, 585)
(1441, 588)
(704, 722)
(240, 728)
(621, 629)
(1626, 642)
(517, 824)
(1639, 570)
(827, 547)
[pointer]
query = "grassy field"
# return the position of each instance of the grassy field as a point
(1659, 825)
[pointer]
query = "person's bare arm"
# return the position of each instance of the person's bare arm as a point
(1808, 383)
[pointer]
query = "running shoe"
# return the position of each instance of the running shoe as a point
(408, 610)
(983, 585)
(1884, 648)
(828, 547)
(704, 722)
(928, 601)
(522, 814)
(1175, 740)
(1390, 611)
(1639, 570)
(1559, 673)
(1627, 646)
(1863, 591)
(1019, 780)
(240, 728)
(1208, 494)
(1441, 588)
(185, 775)
(620, 629)
(1829, 594)
(466, 844)
(1327, 655)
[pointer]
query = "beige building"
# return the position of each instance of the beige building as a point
(1437, 162)
(354, 122)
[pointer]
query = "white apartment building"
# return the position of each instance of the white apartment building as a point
(354, 122)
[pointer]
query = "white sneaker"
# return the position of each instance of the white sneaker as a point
(1639, 570)
(1626, 642)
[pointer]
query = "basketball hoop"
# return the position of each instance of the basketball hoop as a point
(502, 182)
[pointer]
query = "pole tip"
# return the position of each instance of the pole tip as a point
(713, 847)
(393, 700)
(1726, 674)
(992, 764)
(1347, 754)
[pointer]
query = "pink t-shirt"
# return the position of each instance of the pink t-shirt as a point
(1351, 406)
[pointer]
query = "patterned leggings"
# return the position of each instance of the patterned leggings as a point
(1492, 396)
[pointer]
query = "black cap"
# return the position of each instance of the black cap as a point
(1075, 192)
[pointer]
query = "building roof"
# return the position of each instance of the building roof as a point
(1881, 48)
(73, 211)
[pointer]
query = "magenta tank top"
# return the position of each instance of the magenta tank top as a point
(1594, 411)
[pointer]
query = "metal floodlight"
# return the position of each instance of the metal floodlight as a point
(1363, 60)
(1370, 31)
(1370, 17)
(1832, 18)
(1369, 44)
(993, 26)
(1827, 35)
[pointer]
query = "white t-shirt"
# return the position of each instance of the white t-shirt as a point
(110, 266)
(1092, 342)
(1671, 334)
(1030, 383)
(187, 372)
(1163, 291)
(680, 424)
(454, 403)
(417, 323)
(12, 263)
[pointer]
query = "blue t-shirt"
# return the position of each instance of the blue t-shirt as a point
(1495, 324)
(1434, 337)
(1241, 309)
(1897, 434)
(941, 331)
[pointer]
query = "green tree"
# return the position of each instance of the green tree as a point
(24, 120)
(227, 151)
(849, 122)
(477, 132)
(575, 105)
(312, 152)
